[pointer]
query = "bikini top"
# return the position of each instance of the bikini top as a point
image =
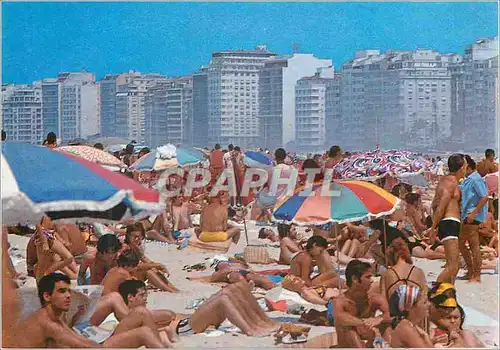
(404, 296)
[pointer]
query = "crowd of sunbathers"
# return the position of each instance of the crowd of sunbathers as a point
(393, 310)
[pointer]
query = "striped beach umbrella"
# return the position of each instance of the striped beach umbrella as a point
(38, 181)
(257, 160)
(167, 156)
(94, 155)
(350, 201)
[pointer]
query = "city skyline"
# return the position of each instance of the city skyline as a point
(34, 53)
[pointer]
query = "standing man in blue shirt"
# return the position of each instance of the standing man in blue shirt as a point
(474, 209)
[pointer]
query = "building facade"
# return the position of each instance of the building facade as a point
(200, 109)
(333, 111)
(169, 113)
(277, 80)
(22, 113)
(397, 99)
(310, 111)
(475, 104)
(70, 105)
(233, 96)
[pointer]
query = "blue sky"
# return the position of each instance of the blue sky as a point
(41, 39)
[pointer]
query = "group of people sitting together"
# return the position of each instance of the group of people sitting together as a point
(399, 309)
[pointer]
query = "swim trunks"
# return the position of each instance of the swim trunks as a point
(184, 327)
(220, 236)
(448, 228)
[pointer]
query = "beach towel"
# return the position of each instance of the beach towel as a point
(221, 247)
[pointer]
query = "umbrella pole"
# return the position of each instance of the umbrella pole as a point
(336, 231)
(385, 244)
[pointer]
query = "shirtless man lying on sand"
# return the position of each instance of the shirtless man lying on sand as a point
(213, 221)
(233, 272)
(319, 289)
(49, 327)
(354, 310)
(99, 261)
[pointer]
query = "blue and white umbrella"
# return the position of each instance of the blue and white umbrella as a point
(167, 156)
(257, 160)
(38, 181)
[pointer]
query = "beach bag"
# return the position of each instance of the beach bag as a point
(256, 255)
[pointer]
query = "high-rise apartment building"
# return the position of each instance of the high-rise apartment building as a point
(200, 109)
(333, 111)
(397, 99)
(70, 105)
(233, 96)
(169, 113)
(310, 111)
(123, 98)
(277, 80)
(22, 113)
(475, 79)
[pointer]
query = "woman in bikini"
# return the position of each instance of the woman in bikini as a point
(401, 272)
(412, 308)
(289, 245)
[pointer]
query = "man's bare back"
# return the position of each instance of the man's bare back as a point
(114, 278)
(71, 233)
(214, 218)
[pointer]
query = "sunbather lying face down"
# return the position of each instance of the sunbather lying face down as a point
(233, 272)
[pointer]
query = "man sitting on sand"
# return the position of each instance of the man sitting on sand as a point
(49, 327)
(213, 221)
(354, 310)
(319, 289)
(128, 267)
(154, 272)
(99, 261)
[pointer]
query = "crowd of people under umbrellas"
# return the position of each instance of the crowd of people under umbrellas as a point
(461, 221)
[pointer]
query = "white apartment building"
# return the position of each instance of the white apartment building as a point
(310, 111)
(475, 95)
(398, 99)
(128, 121)
(233, 96)
(70, 105)
(277, 80)
(22, 113)
(169, 113)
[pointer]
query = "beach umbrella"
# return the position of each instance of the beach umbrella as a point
(94, 155)
(38, 181)
(352, 201)
(167, 156)
(254, 159)
(370, 166)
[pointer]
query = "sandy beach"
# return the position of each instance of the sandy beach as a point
(482, 299)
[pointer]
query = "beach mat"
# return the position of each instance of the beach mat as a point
(280, 293)
(220, 247)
